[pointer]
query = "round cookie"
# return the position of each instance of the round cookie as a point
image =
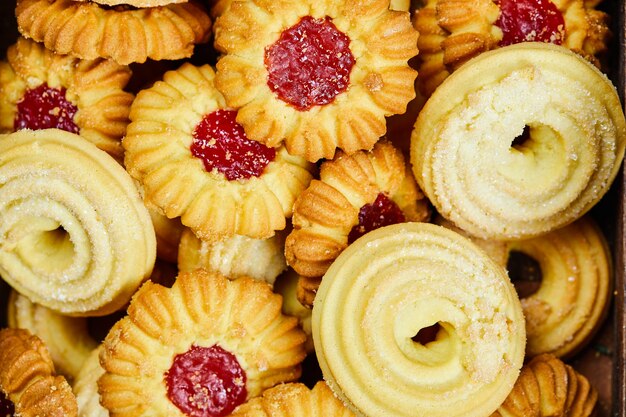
(424, 316)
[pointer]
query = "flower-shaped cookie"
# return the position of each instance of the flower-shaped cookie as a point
(200, 348)
(453, 31)
(194, 161)
(40, 89)
(316, 75)
(355, 194)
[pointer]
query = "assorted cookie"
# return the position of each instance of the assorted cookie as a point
(202, 200)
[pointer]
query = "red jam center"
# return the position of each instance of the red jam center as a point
(45, 108)
(530, 20)
(7, 408)
(382, 212)
(221, 143)
(310, 64)
(206, 382)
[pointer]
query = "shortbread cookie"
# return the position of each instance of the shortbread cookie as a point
(85, 387)
(454, 31)
(315, 75)
(519, 141)
(126, 35)
(29, 385)
(205, 331)
(354, 195)
(194, 160)
(40, 89)
(415, 320)
(75, 235)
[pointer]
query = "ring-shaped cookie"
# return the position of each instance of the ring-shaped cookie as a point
(93, 87)
(232, 333)
(28, 379)
(519, 141)
(89, 31)
(158, 144)
(381, 297)
(355, 193)
(345, 107)
(75, 235)
(454, 31)
(136, 3)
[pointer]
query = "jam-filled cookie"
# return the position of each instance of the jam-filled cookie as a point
(354, 195)
(295, 399)
(125, 34)
(29, 385)
(200, 348)
(454, 31)
(40, 89)
(195, 161)
(316, 75)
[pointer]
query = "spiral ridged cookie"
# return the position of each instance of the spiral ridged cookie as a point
(94, 87)
(454, 31)
(203, 315)
(261, 259)
(519, 141)
(89, 31)
(85, 386)
(295, 399)
(66, 338)
(548, 387)
(360, 72)
(74, 234)
(28, 379)
(381, 297)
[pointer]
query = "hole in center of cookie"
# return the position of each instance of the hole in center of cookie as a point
(428, 334)
(525, 273)
(7, 408)
(47, 246)
(522, 140)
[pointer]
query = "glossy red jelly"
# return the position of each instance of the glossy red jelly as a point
(383, 212)
(206, 382)
(530, 20)
(310, 64)
(221, 143)
(7, 408)
(44, 108)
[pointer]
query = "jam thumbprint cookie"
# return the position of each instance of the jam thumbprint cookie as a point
(316, 75)
(29, 386)
(198, 349)
(355, 194)
(295, 399)
(453, 31)
(40, 89)
(124, 34)
(195, 161)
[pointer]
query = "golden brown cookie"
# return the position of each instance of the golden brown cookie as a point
(126, 35)
(40, 89)
(294, 399)
(194, 161)
(233, 331)
(261, 259)
(66, 338)
(548, 387)
(355, 194)
(28, 380)
(136, 3)
(75, 235)
(519, 141)
(415, 320)
(315, 75)
(287, 286)
(454, 31)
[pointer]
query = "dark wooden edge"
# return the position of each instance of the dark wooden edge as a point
(619, 376)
